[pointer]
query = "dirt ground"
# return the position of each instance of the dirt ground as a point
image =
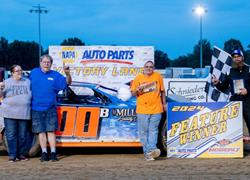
(123, 163)
(120, 163)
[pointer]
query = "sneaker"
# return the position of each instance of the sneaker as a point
(53, 157)
(149, 158)
(44, 157)
(11, 160)
(23, 158)
(155, 153)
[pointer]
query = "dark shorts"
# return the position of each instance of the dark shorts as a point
(44, 121)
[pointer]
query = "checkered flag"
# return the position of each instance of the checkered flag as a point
(220, 66)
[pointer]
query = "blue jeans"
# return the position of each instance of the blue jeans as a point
(16, 131)
(148, 130)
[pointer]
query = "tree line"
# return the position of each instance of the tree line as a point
(25, 53)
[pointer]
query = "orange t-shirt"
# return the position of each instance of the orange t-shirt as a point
(150, 101)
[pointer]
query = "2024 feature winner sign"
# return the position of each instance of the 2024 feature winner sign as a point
(106, 65)
(205, 130)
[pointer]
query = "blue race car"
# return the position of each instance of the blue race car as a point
(93, 115)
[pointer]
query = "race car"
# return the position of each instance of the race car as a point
(93, 115)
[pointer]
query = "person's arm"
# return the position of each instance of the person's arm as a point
(68, 75)
(68, 79)
(162, 93)
(138, 91)
(222, 86)
(1, 89)
(163, 99)
(133, 92)
(246, 91)
(135, 87)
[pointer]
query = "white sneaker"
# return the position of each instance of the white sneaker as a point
(149, 158)
(155, 153)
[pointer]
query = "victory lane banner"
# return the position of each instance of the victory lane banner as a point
(111, 66)
(205, 130)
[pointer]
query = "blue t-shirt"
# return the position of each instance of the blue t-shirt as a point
(45, 87)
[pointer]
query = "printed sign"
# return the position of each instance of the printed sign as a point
(107, 65)
(192, 89)
(205, 130)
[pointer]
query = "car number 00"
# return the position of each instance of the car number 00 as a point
(79, 122)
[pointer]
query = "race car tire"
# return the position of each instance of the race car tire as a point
(5, 144)
(35, 148)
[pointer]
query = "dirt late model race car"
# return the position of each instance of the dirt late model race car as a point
(92, 115)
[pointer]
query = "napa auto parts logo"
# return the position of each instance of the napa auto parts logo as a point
(180, 151)
(68, 55)
(108, 56)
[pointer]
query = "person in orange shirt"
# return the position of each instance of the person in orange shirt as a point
(149, 89)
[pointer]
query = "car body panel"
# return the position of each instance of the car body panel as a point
(97, 119)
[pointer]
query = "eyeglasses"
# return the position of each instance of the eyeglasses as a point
(46, 62)
(149, 67)
(19, 70)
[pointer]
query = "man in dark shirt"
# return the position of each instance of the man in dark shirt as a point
(238, 82)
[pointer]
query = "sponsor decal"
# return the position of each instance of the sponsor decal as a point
(68, 54)
(124, 114)
(223, 150)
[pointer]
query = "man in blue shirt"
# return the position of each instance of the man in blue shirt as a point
(45, 84)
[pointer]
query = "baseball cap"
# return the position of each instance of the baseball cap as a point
(237, 52)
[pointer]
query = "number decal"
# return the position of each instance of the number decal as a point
(192, 108)
(184, 108)
(176, 108)
(66, 120)
(187, 108)
(87, 122)
(80, 122)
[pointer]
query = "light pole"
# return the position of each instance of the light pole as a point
(39, 9)
(200, 11)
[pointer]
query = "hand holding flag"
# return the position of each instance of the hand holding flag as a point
(220, 66)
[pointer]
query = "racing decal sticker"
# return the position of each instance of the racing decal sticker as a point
(66, 120)
(87, 121)
(95, 124)
(78, 122)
